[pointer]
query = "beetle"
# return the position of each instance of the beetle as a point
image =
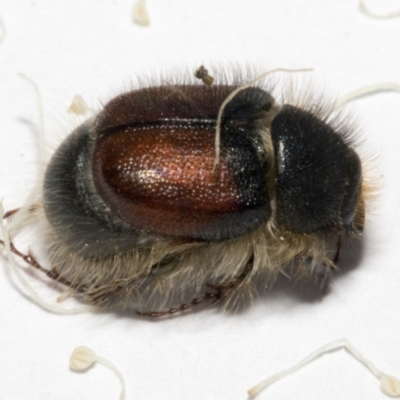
(178, 193)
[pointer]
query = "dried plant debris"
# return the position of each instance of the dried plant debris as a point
(365, 10)
(390, 385)
(202, 74)
(83, 357)
(140, 16)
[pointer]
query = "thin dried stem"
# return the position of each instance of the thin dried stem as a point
(2, 31)
(367, 91)
(8, 247)
(365, 10)
(389, 384)
(40, 115)
(83, 357)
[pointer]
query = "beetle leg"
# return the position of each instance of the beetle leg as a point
(218, 292)
(214, 296)
(52, 274)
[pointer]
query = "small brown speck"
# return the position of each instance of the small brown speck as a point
(202, 73)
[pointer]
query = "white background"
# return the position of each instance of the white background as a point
(91, 47)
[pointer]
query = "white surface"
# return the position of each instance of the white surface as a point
(91, 47)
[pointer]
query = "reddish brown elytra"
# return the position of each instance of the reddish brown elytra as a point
(137, 211)
(155, 167)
